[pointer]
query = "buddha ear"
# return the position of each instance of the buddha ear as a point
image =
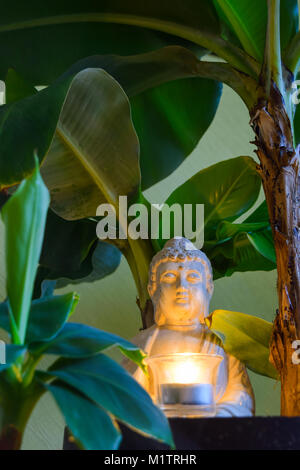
(151, 285)
(210, 287)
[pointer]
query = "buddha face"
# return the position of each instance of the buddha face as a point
(181, 295)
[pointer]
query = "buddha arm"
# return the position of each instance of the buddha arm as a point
(238, 398)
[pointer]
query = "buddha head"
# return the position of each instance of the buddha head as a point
(180, 284)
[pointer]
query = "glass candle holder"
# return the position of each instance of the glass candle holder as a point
(184, 384)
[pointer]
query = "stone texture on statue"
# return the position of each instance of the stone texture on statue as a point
(181, 286)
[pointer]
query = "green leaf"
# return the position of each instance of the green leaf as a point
(263, 242)
(227, 190)
(79, 161)
(247, 246)
(228, 230)
(16, 88)
(12, 352)
(260, 214)
(47, 288)
(47, 316)
(104, 381)
(76, 239)
(31, 37)
(247, 257)
(78, 257)
(24, 216)
(258, 233)
(246, 337)
(243, 252)
(76, 340)
(248, 21)
(297, 123)
(158, 112)
(169, 126)
(91, 426)
(102, 260)
(136, 356)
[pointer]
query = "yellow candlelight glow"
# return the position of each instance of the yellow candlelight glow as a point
(185, 371)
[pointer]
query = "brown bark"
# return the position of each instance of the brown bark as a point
(147, 314)
(10, 439)
(279, 170)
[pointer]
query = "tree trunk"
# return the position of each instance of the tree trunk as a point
(279, 170)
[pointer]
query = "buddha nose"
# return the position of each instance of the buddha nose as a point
(181, 283)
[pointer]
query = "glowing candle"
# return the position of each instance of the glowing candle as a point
(184, 384)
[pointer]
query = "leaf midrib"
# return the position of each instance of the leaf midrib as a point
(67, 141)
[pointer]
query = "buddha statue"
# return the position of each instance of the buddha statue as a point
(181, 286)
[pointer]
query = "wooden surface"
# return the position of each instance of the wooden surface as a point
(276, 433)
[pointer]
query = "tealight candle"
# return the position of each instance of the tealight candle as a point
(183, 384)
(187, 394)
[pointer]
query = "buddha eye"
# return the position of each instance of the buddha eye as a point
(194, 277)
(169, 277)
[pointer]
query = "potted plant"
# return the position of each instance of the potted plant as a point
(117, 98)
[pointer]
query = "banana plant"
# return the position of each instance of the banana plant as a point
(91, 390)
(140, 67)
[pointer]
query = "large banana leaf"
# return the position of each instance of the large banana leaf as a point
(94, 156)
(247, 246)
(78, 257)
(41, 40)
(227, 190)
(244, 252)
(72, 256)
(20, 135)
(245, 337)
(248, 21)
(258, 233)
(169, 126)
(16, 88)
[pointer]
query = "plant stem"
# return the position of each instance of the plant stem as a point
(16, 406)
(272, 69)
(224, 49)
(139, 255)
(242, 84)
(29, 369)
